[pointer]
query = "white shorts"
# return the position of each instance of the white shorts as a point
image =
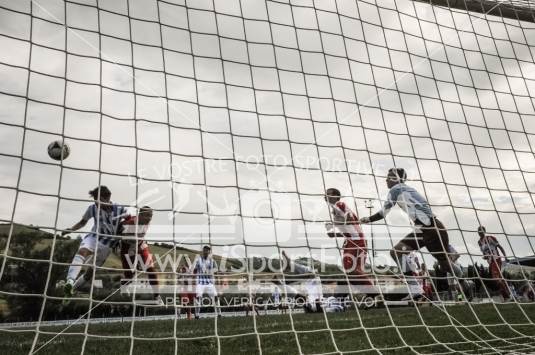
(89, 242)
(209, 290)
(103, 251)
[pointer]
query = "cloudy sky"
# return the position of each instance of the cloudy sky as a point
(230, 117)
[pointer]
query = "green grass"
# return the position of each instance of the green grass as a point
(360, 332)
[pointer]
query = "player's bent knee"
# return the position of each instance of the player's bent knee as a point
(398, 250)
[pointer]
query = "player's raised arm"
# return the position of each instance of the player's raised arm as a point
(391, 200)
(85, 218)
(74, 228)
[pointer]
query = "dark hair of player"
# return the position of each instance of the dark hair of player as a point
(481, 229)
(145, 209)
(206, 247)
(102, 190)
(333, 192)
(399, 173)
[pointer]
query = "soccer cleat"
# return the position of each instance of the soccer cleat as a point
(68, 292)
(68, 289)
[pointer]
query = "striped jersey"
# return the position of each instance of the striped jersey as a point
(106, 222)
(489, 245)
(342, 214)
(204, 268)
(410, 201)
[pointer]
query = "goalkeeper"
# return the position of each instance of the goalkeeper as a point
(428, 230)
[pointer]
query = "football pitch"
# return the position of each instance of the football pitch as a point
(479, 329)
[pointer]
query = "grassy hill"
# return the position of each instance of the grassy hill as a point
(161, 249)
(45, 240)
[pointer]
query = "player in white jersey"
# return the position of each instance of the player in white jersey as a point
(205, 267)
(453, 284)
(276, 295)
(411, 270)
(100, 241)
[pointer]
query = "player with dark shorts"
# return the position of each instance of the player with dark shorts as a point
(135, 250)
(428, 230)
(491, 248)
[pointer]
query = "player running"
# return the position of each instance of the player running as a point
(490, 247)
(428, 231)
(135, 252)
(101, 240)
(345, 224)
(204, 267)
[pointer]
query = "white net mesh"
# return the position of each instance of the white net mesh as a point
(231, 119)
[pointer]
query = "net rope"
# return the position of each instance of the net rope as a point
(446, 93)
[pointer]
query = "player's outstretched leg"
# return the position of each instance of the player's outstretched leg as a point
(81, 257)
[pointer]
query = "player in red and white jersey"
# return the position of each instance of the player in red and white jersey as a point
(135, 250)
(425, 281)
(491, 248)
(346, 225)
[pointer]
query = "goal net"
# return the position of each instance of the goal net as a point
(259, 138)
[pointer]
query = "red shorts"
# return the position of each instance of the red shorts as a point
(427, 288)
(495, 267)
(354, 255)
(129, 260)
(186, 298)
(354, 258)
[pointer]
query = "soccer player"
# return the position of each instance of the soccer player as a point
(252, 304)
(276, 295)
(204, 268)
(490, 247)
(312, 286)
(135, 250)
(186, 295)
(428, 231)
(426, 283)
(411, 270)
(101, 240)
(453, 284)
(346, 225)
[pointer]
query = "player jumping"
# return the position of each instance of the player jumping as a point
(101, 239)
(346, 225)
(428, 230)
(490, 247)
(135, 252)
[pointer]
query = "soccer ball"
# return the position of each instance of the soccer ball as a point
(58, 150)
